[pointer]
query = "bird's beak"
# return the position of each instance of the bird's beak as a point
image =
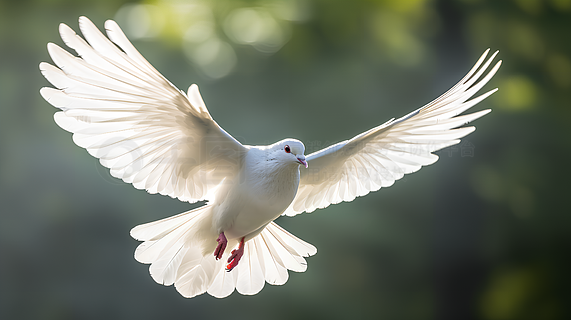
(301, 160)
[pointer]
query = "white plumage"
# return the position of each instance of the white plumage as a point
(150, 134)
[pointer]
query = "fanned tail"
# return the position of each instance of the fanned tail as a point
(174, 247)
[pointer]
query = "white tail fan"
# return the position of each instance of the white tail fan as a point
(176, 259)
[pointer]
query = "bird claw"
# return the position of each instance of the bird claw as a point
(235, 256)
(222, 242)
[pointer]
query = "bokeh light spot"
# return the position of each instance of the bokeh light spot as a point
(138, 20)
(561, 5)
(400, 45)
(524, 40)
(517, 92)
(530, 6)
(559, 68)
(215, 58)
(199, 32)
(256, 27)
(507, 294)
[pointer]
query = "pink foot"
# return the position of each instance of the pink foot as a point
(235, 256)
(222, 242)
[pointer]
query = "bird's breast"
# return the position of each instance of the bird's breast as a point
(263, 197)
(271, 190)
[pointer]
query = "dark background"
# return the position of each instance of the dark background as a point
(484, 235)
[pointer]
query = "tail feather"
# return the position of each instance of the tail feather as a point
(267, 257)
(163, 235)
(224, 283)
(160, 228)
(275, 271)
(291, 249)
(174, 248)
(251, 274)
(164, 270)
(295, 244)
(197, 279)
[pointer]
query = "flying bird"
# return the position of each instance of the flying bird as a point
(161, 139)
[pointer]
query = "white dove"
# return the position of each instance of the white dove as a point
(150, 134)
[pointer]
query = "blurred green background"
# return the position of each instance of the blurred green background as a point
(475, 236)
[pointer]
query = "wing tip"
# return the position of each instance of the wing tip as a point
(58, 119)
(51, 46)
(46, 93)
(43, 66)
(465, 131)
(83, 19)
(85, 25)
(494, 54)
(478, 114)
(111, 25)
(486, 52)
(135, 232)
(63, 28)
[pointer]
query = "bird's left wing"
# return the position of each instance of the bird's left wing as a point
(382, 155)
(124, 112)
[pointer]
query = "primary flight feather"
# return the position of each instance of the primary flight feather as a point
(151, 134)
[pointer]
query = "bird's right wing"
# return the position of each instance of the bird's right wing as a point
(382, 155)
(124, 112)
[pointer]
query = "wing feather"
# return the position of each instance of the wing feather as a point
(140, 126)
(382, 155)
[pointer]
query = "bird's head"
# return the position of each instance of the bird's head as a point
(290, 151)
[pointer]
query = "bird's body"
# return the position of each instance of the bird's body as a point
(262, 190)
(163, 140)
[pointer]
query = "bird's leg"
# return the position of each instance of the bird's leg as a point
(222, 242)
(235, 256)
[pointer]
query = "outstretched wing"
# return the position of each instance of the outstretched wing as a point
(382, 155)
(124, 112)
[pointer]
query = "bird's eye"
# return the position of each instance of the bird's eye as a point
(287, 149)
